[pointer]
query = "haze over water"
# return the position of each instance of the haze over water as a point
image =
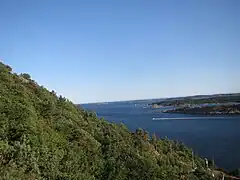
(212, 137)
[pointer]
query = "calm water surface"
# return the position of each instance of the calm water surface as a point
(214, 138)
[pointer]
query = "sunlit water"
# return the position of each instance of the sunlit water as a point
(216, 138)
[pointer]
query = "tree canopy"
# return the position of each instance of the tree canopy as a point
(45, 136)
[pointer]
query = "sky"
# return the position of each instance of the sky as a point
(95, 51)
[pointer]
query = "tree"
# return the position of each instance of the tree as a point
(154, 139)
(53, 93)
(140, 132)
(145, 136)
(26, 76)
(4, 67)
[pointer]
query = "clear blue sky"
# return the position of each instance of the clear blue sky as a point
(96, 50)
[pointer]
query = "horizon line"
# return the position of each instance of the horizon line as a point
(173, 97)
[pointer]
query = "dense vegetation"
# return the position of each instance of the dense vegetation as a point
(45, 136)
(209, 110)
(217, 99)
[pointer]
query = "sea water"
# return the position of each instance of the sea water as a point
(216, 138)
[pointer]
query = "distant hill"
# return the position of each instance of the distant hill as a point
(45, 136)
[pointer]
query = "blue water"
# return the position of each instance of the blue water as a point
(214, 138)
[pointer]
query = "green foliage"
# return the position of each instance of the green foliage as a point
(5, 68)
(25, 75)
(43, 136)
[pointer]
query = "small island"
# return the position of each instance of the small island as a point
(208, 110)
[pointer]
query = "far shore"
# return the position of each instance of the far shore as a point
(220, 110)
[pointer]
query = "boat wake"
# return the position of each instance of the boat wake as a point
(186, 118)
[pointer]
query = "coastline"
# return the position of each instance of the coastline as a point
(221, 110)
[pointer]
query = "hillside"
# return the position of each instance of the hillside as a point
(45, 136)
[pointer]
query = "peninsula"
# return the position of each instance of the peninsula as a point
(233, 109)
(216, 99)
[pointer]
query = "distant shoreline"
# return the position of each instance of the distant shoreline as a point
(192, 118)
(193, 101)
(221, 110)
